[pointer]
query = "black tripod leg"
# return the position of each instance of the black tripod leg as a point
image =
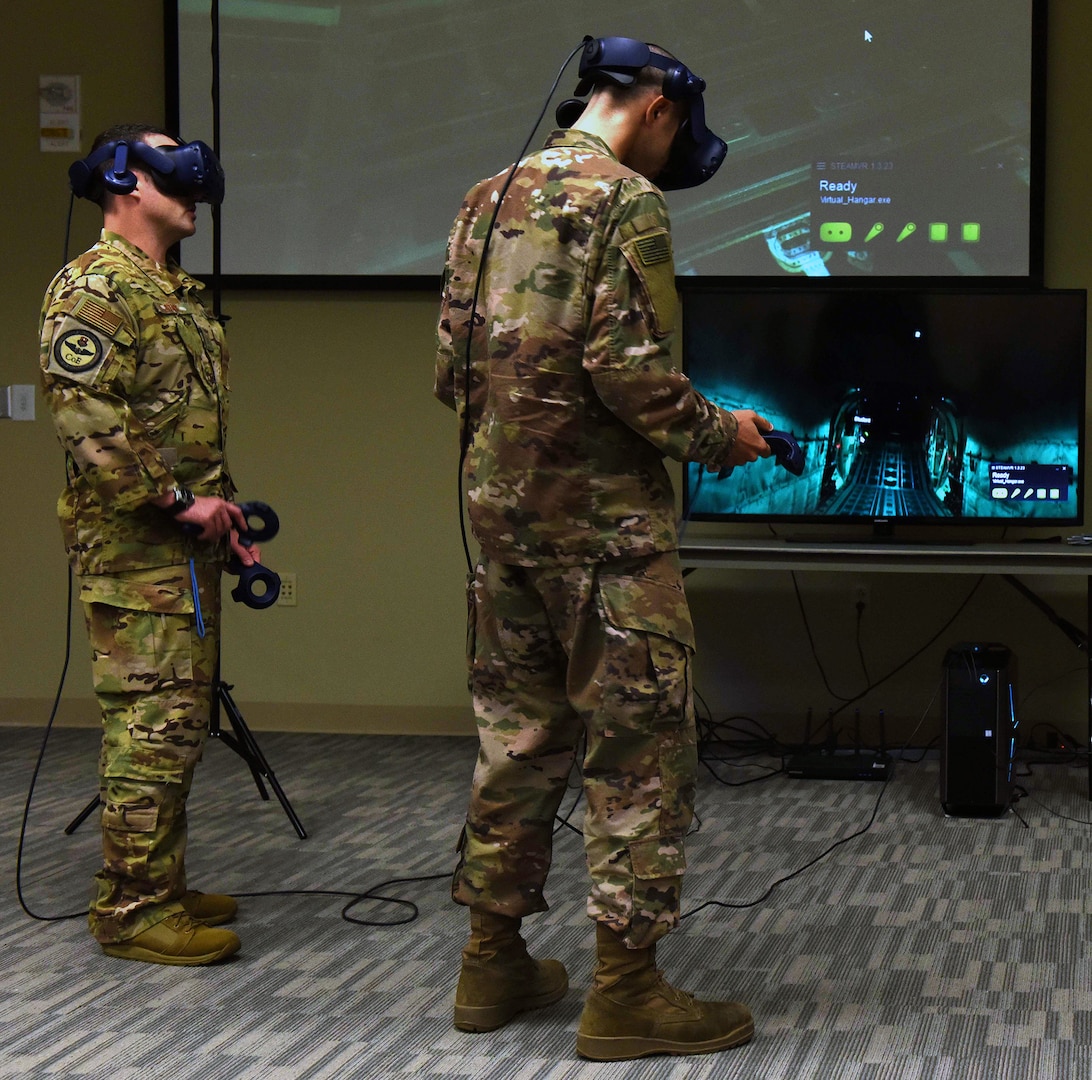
(82, 816)
(242, 747)
(242, 741)
(222, 694)
(245, 752)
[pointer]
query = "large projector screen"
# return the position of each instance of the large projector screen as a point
(867, 139)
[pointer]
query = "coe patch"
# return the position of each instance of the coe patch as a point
(77, 352)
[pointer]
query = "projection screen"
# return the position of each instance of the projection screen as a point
(871, 139)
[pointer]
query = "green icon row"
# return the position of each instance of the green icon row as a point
(841, 232)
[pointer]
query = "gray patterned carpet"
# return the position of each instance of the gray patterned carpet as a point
(925, 948)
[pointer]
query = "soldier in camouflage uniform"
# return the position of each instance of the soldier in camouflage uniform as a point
(578, 623)
(134, 369)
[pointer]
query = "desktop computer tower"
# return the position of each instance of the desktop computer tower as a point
(978, 736)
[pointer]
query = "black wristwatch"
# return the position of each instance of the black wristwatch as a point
(183, 500)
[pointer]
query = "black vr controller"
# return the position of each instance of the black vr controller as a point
(786, 451)
(258, 586)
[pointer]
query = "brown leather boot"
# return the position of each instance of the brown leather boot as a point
(632, 1011)
(498, 979)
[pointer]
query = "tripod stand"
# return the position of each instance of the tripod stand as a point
(242, 741)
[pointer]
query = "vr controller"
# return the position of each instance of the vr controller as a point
(786, 451)
(268, 581)
(258, 586)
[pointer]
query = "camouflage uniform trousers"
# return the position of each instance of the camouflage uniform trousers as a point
(600, 650)
(153, 676)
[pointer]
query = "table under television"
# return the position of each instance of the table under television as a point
(878, 556)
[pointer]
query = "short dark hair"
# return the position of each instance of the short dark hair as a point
(129, 133)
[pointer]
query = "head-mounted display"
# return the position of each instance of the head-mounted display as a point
(696, 153)
(190, 170)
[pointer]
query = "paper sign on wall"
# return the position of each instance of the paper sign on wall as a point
(59, 113)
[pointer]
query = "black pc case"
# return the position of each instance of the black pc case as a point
(979, 730)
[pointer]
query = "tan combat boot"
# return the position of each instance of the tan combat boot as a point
(632, 1011)
(213, 909)
(177, 939)
(498, 979)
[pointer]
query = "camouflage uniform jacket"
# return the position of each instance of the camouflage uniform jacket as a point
(135, 373)
(574, 400)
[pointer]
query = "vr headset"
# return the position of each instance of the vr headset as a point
(696, 152)
(191, 170)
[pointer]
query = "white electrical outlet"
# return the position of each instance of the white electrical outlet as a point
(287, 597)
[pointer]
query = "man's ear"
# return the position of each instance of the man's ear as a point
(142, 181)
(656, 108)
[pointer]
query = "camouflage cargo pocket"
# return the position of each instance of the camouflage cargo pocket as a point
(121, 817)
(650, 643)
(657, 857)
(137, 651)
(127, 832)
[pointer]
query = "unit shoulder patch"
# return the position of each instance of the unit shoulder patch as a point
(78, 352)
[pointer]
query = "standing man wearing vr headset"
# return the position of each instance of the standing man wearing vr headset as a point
(554, 345)
(134, 369)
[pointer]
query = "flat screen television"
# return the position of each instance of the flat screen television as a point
(926, 406)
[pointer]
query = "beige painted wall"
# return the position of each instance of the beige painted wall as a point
(334, 425)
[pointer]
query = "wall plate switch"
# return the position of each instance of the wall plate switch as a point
(17, 402)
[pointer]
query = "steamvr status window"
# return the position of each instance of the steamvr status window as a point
(1029, 483)
(897, 206)
(940, 184)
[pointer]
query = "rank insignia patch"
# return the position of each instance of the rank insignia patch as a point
(77, 351)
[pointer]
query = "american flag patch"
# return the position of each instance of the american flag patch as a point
(98, 315)
(654, 249)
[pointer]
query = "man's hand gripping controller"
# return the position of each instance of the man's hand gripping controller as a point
(786, 451)
(258, 586)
